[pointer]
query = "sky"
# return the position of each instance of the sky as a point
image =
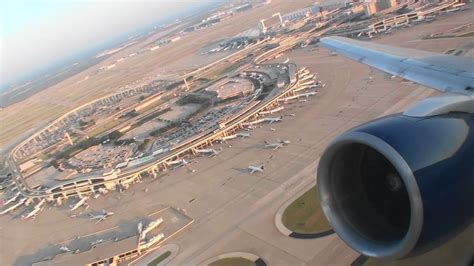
(37, 33)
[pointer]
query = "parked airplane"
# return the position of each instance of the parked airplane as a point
(276, 145)
(152, 225)
(303, 73)
(272, 111)
(307, 94)
(208, 152)
(311, 82)
(317, 85)
(100, 217)
(28, 201)
(98, 241)
(140, 227)
(238, 135)
(12, 199)
(308, 77)
(40, 203)
(32, 214)
(81, 202)
(413, 170)
(243, 135)
(11, 208)
(64, 249)
(272, 119)
(254, 169)
(178, 163)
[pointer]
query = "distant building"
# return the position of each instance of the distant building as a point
(331, 4)
(232, 88)
(177, 38)
(270, 23)
(374, 6)
(301, 13)
(154, 48)
(243, 7)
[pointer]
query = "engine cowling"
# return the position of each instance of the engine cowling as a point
(400, 185)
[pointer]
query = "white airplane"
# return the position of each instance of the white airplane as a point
(272, 111)
(152, 225)
(311, 82)
(240, 135)
(254, 169)
(178, 163)
(59, 201)
(302, 69)
(307, 94)
(303, 73)
(276, 145)
(140, 227)
(28, 202)
(305, 78)
(318, 85)
(249, 127)
(81, 202)
(152, 241)
(103, 190)
(209, 152)
(18, 204)
(272, 119)
(32, 214)
(243, 135)
(98, 241)
(12, 199)
(40, 203)
(64, 249)
(101, 217)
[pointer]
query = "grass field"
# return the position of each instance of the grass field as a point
(236, 261)
(305, 215)
(160, 258)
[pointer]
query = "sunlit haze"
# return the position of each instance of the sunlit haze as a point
(36, 34)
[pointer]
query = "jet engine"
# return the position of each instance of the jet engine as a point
(400, 185)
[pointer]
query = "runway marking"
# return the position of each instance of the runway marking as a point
(164, 209)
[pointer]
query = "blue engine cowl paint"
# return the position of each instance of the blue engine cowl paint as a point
(439, 152)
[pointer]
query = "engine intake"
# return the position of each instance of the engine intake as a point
(399, 185)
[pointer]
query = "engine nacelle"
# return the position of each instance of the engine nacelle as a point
(399, 185)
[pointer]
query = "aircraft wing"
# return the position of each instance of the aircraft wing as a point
(446, 73)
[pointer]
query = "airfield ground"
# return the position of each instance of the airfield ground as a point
(304, 215)
(234, 211)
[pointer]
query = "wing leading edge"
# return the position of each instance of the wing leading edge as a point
(446, 73)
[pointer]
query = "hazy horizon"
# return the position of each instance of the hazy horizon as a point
(35, 35)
